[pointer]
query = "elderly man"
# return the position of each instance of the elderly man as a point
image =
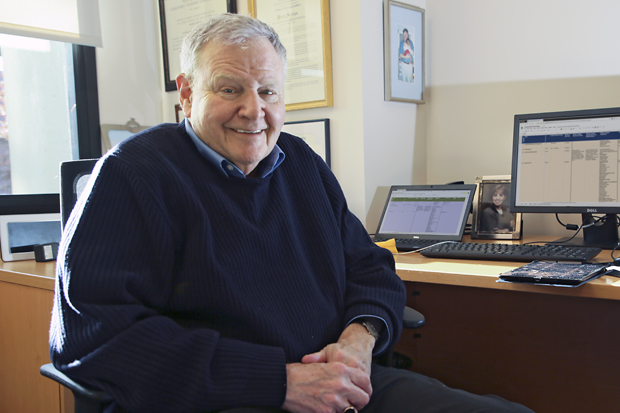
(214, 264)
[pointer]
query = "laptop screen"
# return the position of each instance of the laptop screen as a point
(426, 211)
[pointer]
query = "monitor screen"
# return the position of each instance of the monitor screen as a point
(567, 162)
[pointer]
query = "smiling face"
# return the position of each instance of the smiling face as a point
(236, 104)
(499, 197)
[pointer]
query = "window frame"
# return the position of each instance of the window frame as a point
(89, 134)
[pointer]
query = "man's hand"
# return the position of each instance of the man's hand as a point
(333, 378)
(354, 348)
(325, 388)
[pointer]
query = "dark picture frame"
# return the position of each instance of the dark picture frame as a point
(488, 222)
(315, 133)
(403, 48)
(177, 18)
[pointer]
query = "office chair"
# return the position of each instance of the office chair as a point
(73, 177)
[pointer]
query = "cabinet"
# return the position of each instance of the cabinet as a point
(26, 298)
(553, 349)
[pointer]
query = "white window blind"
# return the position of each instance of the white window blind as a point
(70, 21)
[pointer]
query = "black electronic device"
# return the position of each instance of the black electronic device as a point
(554, 273)
(510, 252)
(417, 216)
(568, 162)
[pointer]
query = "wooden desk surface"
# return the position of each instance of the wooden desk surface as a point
(29, 273)
(484, 274)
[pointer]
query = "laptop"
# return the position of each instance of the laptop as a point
(418, 216)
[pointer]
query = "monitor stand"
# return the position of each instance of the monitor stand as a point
(602, 234)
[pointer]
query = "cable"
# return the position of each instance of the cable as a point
(573, 227)
(422, 249)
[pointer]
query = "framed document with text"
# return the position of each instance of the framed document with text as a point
(303, 27)
(177, 18)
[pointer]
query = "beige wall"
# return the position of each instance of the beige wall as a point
(490, 60)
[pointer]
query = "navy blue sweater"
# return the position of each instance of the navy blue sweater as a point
(181, 289)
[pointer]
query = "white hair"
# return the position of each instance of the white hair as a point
(227, 29)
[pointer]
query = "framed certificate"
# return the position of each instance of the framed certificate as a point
(177, 18)
(303, 27)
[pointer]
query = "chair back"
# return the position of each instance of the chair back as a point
(73, 178)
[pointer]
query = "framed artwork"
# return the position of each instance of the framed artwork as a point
(314, 132)
(492, 218)
(20, 233)
(403, 52)
(304, 30)
(177, 18)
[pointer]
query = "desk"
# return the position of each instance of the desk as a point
(554, 349)
(26, 298)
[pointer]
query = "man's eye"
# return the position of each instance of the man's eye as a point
(228, 90)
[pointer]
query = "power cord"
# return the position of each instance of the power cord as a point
(422, 249)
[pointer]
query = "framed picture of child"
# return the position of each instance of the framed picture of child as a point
(403, 49)
(492, 218)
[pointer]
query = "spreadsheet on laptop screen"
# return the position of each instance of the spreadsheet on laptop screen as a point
(425, 212)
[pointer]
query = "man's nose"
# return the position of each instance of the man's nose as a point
(252, 105)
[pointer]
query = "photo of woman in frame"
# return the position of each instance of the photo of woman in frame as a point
(496, 217)
(492, 218)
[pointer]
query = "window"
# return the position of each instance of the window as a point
(48, 114)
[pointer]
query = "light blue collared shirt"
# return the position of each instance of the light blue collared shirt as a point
(264, 168)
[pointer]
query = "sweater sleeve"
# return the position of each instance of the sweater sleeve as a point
(115, 270)
(373, 287)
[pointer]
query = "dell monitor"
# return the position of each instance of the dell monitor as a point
(569, 162)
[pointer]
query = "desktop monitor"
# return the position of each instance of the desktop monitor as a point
(569, 162)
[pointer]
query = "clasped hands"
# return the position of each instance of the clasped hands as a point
(331, 379)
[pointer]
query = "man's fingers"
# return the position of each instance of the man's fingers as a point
(318, 357)
(317, 387)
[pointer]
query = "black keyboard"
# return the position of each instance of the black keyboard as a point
(511, 252)
(408, 244)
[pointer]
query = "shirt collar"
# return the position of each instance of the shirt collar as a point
(265, 167)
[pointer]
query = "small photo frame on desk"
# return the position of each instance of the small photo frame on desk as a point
(492, 218)
(20, 233)
(314, 132)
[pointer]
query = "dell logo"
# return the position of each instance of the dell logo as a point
(591, 210)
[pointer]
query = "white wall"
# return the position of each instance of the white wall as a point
(485, 41)
(389, 127)
(129, 66)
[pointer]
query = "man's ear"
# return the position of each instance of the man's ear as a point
(185, 94)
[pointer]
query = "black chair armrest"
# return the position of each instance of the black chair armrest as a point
(79, 390)
(412, 318)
